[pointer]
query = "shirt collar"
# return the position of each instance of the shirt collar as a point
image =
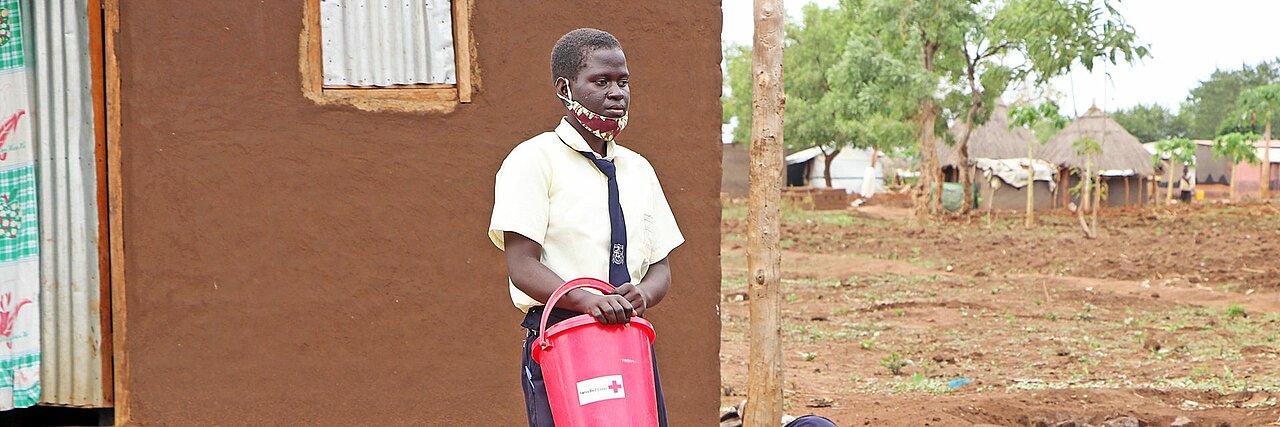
(574, 140)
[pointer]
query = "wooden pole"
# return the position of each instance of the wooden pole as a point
(1031, 186)
(1232, 194)
(1126, 191)
(1142, 191)
(1264, 190)
(764, 369)
(98, 67)
(1065, 187)
(1097, 204)
(115, 213)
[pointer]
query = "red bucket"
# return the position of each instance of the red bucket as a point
(597, 374)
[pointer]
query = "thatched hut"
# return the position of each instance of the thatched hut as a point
(1124, 164)
(992, 140)
(996, 140)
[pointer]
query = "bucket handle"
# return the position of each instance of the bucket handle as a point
(583, 282)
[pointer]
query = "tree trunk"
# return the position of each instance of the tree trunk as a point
(875, 155)
(929, 196)
(1097, 205)
(764, 375)
(1064, 186)
(966, 181)
(991, 204)
(1232, 194)
(1084, 197)
(928, 199)
(1265, 188)
(1031, 186)
(962, 147)
(1168, 195)
(826, 165)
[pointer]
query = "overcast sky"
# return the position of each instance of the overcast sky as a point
(1188, 38)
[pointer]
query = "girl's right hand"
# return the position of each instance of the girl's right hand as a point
(609, 309)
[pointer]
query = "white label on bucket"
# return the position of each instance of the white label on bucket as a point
(600, 388)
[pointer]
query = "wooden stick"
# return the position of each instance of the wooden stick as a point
(1126, 191)
(764, 369)
(462, 47)
(98, 70)
(1264, 188)
(115, 213)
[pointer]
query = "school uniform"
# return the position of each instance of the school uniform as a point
(554, 190)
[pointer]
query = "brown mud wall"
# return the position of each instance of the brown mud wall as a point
(1137, 192)
(1009, 197)
(291, 263)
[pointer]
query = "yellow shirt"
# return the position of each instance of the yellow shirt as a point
(547, 191)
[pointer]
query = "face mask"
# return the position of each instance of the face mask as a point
(605, 128)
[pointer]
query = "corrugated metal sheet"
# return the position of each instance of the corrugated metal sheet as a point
(387, 42)
(70, 310)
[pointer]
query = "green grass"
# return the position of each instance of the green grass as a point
(735, 211)
(1235, 310)
(916, 383)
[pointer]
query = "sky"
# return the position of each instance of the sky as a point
(1189, 39)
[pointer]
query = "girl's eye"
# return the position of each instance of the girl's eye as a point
(623, 83)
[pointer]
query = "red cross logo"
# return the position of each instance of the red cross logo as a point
(615, 386)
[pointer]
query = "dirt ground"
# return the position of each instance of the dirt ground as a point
(1171, 312)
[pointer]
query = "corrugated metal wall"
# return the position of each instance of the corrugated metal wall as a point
(387, 42)
(70, 310)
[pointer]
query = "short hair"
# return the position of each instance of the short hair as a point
(570, 53)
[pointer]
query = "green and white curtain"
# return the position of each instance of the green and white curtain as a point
(19, 233)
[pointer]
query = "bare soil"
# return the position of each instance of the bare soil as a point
(1169, 313)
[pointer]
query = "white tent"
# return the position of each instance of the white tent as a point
(848, 169)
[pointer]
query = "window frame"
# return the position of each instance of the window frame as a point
(437, 97)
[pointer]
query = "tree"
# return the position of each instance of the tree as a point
(1214, 100)
(964, 45)
(1152, 122)
(1236, 148)
(1044, 116)
(922, 33)
(813, 49)
(736, 96)
(1177, 151)
(764, 385)
(1052, 36)
(1261, 105)
(840, 87)
(1089, 149)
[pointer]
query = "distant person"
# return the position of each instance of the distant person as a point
(573, 203)
(1186, 189)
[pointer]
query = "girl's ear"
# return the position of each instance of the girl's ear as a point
(562, 88)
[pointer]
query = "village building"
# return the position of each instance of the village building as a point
(275, 212)
(1213, 174)
(850, 168)
(998, 161)
(1125, 166)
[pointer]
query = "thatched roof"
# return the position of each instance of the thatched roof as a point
(992, 140)
(1120, 149)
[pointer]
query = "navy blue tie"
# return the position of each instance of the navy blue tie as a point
(618, 273)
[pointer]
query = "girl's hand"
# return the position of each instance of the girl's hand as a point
(609, 309)
(639, 301)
